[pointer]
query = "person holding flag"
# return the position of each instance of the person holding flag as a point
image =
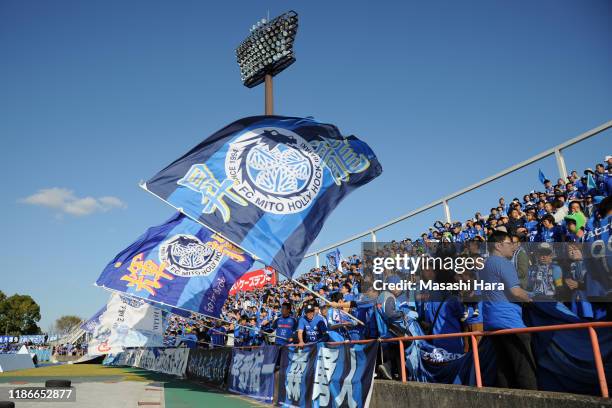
(541, 176)
(591, 182)
(337, 321)
(334, 261)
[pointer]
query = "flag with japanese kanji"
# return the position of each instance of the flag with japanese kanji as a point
(267, 183)
(179, 263)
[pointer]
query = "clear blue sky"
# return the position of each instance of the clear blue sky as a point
(97, 95)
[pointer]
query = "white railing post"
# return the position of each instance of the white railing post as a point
(317, 263)
(373, 235)
(561, 164)
(447, 214)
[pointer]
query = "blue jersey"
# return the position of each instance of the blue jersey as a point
(285, 328)
(449, 312)
(255, 337)
(553, 234)
(358, 331)
(600, 181)
(599, 230)
(217, 336)
(313, 330)
(532, 230)
(599, 235)
(574, 195)
(335, 317)
(241, 336)
(460, 237)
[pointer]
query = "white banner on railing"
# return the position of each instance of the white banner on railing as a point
(126, 322)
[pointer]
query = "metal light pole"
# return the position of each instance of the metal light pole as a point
(266, 52)
(269, 96)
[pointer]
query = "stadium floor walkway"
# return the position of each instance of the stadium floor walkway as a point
(99, 386)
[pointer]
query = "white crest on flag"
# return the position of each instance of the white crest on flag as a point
(187, 256)
(274, 169)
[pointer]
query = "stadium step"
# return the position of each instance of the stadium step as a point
(152, 396)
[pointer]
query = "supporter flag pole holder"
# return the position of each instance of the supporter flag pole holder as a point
(239, 325)
(325, 300)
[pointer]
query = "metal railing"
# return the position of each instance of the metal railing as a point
(557, 151)
(72, 335)
(590, 326)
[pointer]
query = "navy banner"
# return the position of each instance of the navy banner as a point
(267, 183)
(339, 376)
(167, 360)
(179, 263)
(210, 365)
(296, 374)
(252, 372)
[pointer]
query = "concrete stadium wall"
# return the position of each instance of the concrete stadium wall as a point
(393, 394)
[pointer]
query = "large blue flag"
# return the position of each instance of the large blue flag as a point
(178, 263)
(267, 183)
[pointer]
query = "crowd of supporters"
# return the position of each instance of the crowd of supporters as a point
(69, 349)
(575, 210)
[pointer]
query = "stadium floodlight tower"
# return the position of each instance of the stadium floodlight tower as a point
(267, 51)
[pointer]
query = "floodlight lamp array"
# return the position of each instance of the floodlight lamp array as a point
(268, 49)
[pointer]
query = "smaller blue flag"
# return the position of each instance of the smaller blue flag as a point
(334, 261)
(180, 264)
(591, 184)
(541, 176)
